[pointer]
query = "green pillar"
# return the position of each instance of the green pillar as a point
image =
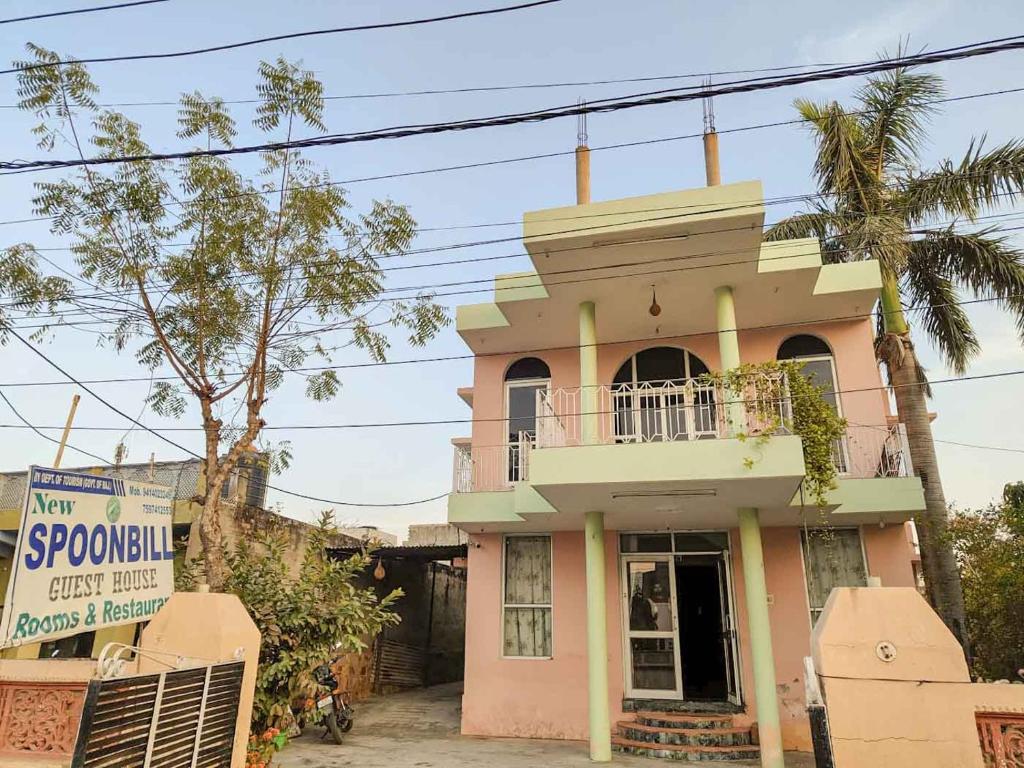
(759, 626)
(588, 374)
(593, 532)
(597, 641)
(729, 352)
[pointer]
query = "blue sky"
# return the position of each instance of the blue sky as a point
(573, 40)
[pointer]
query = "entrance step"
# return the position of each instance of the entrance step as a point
(693, 736)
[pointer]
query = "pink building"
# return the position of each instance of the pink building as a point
(639, 576)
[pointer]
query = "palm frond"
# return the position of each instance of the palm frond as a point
(821, 223)
(896, 108)
(934, 296)
(980, 180)
(842, 168)
(984, 263)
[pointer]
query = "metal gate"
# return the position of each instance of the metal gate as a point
(177, 719)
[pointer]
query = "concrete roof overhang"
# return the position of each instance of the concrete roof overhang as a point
(684, 245)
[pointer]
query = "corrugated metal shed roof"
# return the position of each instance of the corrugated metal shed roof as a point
(182, 476)
(429, 552)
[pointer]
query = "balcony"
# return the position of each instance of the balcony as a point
(867, 452)
(663, 411)
(669, 412)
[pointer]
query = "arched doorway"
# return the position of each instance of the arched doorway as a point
(523, 380)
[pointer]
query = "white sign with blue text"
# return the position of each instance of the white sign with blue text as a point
(92, 552)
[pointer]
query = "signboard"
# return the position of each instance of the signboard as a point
(92, 552)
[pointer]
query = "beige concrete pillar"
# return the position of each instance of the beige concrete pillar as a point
(711, 169)
(582, 175)
(204, 627)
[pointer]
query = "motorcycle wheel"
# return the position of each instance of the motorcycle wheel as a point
(346, 726)
(337, 731)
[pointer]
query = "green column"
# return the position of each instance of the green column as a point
(760, 630)
(597, 641)
(588, 374)
(729, 352)
(593, 533)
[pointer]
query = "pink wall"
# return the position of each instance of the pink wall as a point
(539, 698)
(851, 343)
(889, 553)
(547, 698)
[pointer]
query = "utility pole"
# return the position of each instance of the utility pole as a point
(67, 431)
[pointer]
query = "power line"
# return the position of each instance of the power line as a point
(26, 424)
(665, 96)
(1001, 448)
(518, 159)
(80, 10)
(703, 210)
(534, 350)
(498, 88)
(503, 419)
(492, 283)
(192, 453)
(276, 38)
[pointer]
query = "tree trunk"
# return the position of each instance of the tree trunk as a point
(211, 535)
(210, 531)
(938, 562)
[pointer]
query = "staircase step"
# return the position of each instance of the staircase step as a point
(684, 752)
(706, 737)
(677, 720)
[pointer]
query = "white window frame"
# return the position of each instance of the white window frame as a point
(516, 384)
(506, 437)
(835, 375)
(505, 605)
(803, 562)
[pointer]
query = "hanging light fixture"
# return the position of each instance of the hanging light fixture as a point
(379, 573)
(655, 308)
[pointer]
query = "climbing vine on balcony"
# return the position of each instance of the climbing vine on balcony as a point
(763, 389)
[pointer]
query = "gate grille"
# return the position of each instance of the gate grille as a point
(179, 719)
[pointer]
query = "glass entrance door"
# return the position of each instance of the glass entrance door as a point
(652, 639)
(729, 635)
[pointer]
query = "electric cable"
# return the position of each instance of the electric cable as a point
(192, 453)
(76, 11)
(289, 36)
(534, 350)
(665, 96)
(504, 419)
(499, 88)
(28, 425)
(742, 205)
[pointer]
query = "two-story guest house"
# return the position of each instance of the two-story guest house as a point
(638, 575)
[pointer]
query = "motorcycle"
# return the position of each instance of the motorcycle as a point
(334, 706)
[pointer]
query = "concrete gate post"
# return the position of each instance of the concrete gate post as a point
(205, 627)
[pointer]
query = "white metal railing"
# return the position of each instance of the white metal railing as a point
(491, 467)
(684, 409)
(873, 451)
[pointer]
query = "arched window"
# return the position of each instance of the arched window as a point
(523, 380)
(654, 397)
(817, 363)
(660, 365)
(528, 368)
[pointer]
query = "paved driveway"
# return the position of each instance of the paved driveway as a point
(420, 729)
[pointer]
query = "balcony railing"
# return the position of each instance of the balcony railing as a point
(491, 467)
(669, 411)
(664, 411)
(867, 451)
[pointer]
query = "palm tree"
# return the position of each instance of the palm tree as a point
(877, 203)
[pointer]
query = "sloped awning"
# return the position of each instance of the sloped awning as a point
(423, 553)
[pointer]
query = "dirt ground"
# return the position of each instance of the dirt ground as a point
(420, 729)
